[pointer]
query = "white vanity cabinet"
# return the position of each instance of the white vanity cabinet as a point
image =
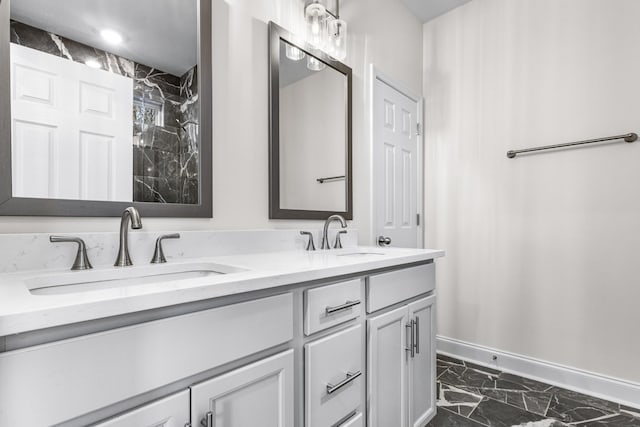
(401, 363)
(357, 350)
(260, 394)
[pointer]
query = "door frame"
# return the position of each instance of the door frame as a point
(376, 74)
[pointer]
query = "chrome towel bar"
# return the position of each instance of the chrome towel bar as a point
(629, 137)
(330, 178)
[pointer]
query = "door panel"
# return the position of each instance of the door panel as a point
(422, 367)
(82, 120)
(395, 177)
(260, 394)
(386, 369)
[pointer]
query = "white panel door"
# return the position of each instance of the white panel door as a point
(71, 129)
(260, 394)
(395, 166)
(172, 411)
(386, 369)
(422, 366)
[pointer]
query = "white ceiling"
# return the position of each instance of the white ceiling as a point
(158, 33)
(426, 10)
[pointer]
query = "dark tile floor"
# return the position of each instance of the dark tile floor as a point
(473, 396)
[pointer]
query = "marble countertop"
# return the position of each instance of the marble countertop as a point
(22, 311)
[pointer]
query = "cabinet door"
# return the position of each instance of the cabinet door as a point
(422, 366)
(386, 369)
(172, 411)
(260, 394)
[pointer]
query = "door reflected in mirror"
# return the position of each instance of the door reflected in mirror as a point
(104, 100)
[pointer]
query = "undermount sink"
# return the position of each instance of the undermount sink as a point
(92, 280)
(361, 254)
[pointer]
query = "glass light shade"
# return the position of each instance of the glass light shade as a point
(315, 64)
(337, 30)
(293, 53)
(315, 16)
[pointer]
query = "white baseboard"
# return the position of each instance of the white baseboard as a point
(617, 390)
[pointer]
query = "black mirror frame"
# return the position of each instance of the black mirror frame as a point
(277, 33)
(17, 206)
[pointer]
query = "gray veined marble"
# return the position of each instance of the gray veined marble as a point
(474, 395)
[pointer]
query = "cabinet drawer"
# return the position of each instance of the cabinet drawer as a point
(168, 412)
(331, 305)
(333, 377)
(395, 286)
(73, 377)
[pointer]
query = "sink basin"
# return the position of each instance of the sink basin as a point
(356, 254)
(92, 280)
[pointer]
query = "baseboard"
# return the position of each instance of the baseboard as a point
(616, 390)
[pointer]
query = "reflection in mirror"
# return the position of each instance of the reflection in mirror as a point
(310, 139)
(104, 100)
(312, 133)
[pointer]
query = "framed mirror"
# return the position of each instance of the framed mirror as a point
(310, 174)
(105, 104)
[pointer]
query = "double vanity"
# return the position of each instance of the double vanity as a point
(283, 337)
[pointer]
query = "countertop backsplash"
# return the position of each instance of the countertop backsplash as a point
(24, 252)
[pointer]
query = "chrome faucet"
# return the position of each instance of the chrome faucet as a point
(129, 214)
(325, 232)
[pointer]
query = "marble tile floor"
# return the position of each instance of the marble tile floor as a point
(470, 395)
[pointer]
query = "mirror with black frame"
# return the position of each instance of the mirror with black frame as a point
(310, 138)
(109, 105)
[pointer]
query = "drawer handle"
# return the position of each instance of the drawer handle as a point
(412, 343)
(348, 304)
(207, 421)
(346, 419)
(351, 376)
(417, 332)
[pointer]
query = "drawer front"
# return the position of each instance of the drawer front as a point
(172, 411)
(333, 377)
(76, 376)
(395, 286)
(331, 305)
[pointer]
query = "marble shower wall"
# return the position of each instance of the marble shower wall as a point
(165, 116)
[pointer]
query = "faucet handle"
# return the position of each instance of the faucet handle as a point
(158, 254)
(338, 243)
(82, 260)
(310, 245)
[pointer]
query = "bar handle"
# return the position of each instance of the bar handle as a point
(416, 324)
(207, 421)
(346, 419)
(346, 305)
(351, 376)
(412, 344)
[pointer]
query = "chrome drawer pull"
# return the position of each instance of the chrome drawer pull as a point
(417, 332)
(351, 376)
(207, 421)
(412, 343)
(348, 304)
(346, 419)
